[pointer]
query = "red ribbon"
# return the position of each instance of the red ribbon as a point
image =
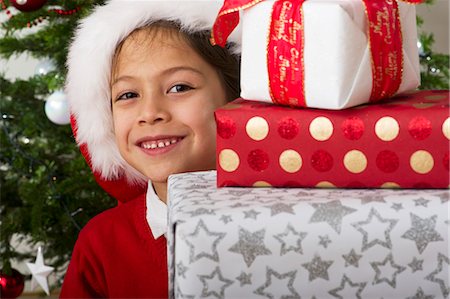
(285, 46)
(228, 19)
(385, 41)
(285, 54)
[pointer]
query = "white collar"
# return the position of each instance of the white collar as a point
(156, 212)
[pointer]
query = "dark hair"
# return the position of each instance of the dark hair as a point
(221, 59)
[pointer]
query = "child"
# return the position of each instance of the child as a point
(143, 83)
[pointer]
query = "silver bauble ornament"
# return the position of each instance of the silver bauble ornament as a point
(57, 108)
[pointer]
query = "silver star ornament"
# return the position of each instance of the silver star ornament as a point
(39, 272)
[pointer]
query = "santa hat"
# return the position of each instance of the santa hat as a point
(89, 70)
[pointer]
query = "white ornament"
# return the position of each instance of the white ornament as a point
(57, 108)
(44, 67)
(21, 2)
(39, 271)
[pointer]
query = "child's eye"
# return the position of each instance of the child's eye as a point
(180, 88)
(127, 95)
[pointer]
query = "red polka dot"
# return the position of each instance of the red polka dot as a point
(322, 161)
(446, 161)
(419, 127)
(290, 184)
(229, 184)
(226, 127)
(353, 128)
(387, 161)
(258, 160)
(288, 128)
(422, 185)
(356, 184)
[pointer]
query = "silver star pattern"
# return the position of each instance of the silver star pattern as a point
(235, 199)
(421, 202)
(371, 198)
(420, 295)
(280, 207)
(201, 211)
(415, 265)
(181, 269)
(266, 288)
(397, 206)
(302, 194)
(197, 187)
(387, 239)
(445, 197)
(238, 205)
(392, 204)
(201, 229)
(181, 295)
(214, 286)
(251, 214)
(422, 231)
(291, 240)
(381, 268)
(244, 278)
(330, 212)
(324, 241)
(317, 268)
(226, 218)
(352, 258)
(250, 245)
(239, 192)
(354, 294)
(440, 275)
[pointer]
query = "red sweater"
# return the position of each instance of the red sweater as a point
(116, 256)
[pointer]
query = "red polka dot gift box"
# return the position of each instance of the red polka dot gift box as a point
(401, 143)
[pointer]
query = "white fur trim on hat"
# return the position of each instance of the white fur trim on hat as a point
(89, 68)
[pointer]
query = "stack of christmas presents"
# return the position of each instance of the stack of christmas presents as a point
(355, 162)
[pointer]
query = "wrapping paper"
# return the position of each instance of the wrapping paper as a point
(305, 243)
(337, 59)
(400, 143)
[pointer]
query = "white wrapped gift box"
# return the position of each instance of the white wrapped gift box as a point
(305, 243)
(337, 56)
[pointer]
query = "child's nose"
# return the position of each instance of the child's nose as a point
(153, 110)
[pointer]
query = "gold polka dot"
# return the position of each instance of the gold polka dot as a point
(421, 162)
(325, 184)
(321, 128)
(290, 161)
(387, 128)
(261, 184)
(257, 128)
(355, 161)
(446, 128)
(228, 160)
(390, 185)
(435, 97)
(423, 105)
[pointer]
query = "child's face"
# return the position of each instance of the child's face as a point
(163, 98)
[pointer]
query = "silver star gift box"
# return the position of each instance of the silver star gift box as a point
(305, 243)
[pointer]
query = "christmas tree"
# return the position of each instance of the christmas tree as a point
(47, 190)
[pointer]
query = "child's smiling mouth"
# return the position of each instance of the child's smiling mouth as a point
(159, 144)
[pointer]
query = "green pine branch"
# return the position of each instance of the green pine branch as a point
(47, 190)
